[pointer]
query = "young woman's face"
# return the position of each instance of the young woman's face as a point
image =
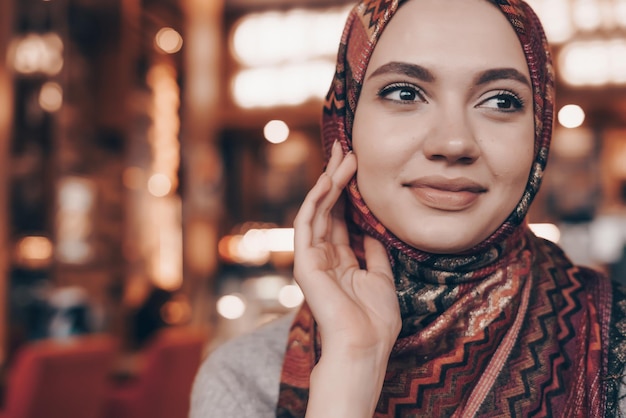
(443, 131)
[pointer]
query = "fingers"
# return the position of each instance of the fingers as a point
(376, 258)
(333, 162)
(313, 222)
(302, 223)
(341, 169)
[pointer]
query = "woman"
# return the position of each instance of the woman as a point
(429, 296)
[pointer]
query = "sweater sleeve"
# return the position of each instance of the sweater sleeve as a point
(241, 378)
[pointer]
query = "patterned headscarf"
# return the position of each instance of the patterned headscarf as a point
(484, 333)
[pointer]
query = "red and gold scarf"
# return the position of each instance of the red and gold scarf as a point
(510, 328)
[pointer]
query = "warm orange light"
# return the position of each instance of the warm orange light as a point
(571, 116)
(133, 178)
(74, 220)
(51, 96)
(290, 296)
(548, 231)
(594, 62)
(38, 53)
(231, 306)
(34, 252)
(270, 38)
(282, 85)
(176, 312)
(159, 185)
(169, 40)
(35, 248)
(257, 246)
(163, 134)
(165, 257)
(282, 64)
(276, 131)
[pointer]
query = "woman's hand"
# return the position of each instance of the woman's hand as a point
(356, 310)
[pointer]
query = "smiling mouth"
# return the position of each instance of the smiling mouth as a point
(446, 194)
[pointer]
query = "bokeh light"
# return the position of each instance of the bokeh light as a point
(34, 251)
(276, 131)
(159, 185)
(571, 116)
(169, 40)
(35, 53)
(548, 231)
(290, 296)
(51, 96)
(231, 306)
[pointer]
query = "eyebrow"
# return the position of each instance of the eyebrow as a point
(421, 73)
(502, 74)
(411, 70)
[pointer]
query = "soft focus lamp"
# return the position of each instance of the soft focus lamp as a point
(276, 131)
(571, 116)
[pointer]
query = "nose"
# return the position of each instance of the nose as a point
(452, 139)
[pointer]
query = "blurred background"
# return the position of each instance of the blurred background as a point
(154, 153)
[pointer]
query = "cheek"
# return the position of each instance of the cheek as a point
(379, 164)
(371, 148)
(511, 166)
(511, 150)
(525, 156)
(382, 143)
(379, 161)
(373, 164)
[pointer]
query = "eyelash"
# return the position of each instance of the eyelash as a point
(517, 102)
(396, 87)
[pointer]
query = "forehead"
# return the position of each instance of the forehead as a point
(466, 33)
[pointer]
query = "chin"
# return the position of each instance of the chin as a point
(446, 249)
(450, 240)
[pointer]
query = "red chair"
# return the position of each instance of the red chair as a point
(163, 386)
(59, 378)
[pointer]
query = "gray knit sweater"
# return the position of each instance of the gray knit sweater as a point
(241, 378)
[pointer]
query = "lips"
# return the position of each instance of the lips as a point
(449, 194)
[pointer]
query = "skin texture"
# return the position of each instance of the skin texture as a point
(443, 157)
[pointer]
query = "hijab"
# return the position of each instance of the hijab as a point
(510, 327)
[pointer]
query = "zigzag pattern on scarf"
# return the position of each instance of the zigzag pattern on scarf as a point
(437, 387)
(375, 12)
(535, 379)
(294, 386)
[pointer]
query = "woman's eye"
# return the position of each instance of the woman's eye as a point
(401, 93)
(504, 102)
